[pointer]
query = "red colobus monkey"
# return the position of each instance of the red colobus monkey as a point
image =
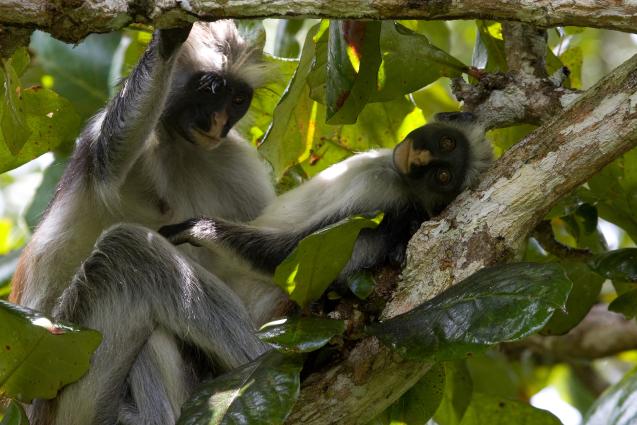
(161, 151)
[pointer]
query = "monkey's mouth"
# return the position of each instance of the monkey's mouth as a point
(406, 156)
(206, 139)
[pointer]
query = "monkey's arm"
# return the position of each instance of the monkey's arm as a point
(266, 248)
(119, 132)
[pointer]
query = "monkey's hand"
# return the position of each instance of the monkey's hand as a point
(171, 39)
(184, 232)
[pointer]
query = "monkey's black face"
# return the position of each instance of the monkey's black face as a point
(434, 157)
(208, 109)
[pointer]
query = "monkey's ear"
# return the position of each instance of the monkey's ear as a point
(461, 117)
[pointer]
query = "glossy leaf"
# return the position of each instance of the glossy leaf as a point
(488, 52)
(617, 405)
(497, 304)
(625, 304)
(14, 415)
(616, 265)
(353, 58)
(300, 334)
(319, 258)
(261, 392)
(486, 409)
(458, 391)
(38, 357)
(585, 292)
(361, 284)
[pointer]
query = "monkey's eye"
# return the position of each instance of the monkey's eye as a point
(447, 144)
(443, 176)
(239, 100)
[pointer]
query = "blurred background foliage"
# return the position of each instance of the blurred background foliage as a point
(374, 100)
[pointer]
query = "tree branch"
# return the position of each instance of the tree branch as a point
(481, 228)
(71, 20)
(602, 333)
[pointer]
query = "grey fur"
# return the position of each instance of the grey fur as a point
(145, 296)
(361, 184)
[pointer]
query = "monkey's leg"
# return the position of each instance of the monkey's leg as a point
(133, 284)
(121, 130)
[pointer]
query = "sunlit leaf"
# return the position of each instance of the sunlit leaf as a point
(319, 258)
(502, 303)
(486, 409)
(488, 52)
(261, 392)
(617, 405)
(37, 356)
(52, 121)
(410, 62)
(458, 391)
(290, 136)
(300, 334)
(353, 59)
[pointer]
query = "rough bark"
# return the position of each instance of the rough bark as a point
(481, 228)
(72, 20)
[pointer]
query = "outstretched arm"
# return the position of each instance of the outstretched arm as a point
(119, 132)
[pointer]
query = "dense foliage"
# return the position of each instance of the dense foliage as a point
(339, 87)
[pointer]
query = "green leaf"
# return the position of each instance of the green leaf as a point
(259, 117)
(40, 357)
(14, 415)
(620, 264)
(410, 62)
(487, 409)
(488, 52)
(300, 334)
(457, 395)
(586, 287)
(497, 304)
(319, 258)
(617, 405)
(625, 304)
(260, 392)
(52, 120)
(353, 58)
(285, 44)
(437, 32)
(361, 284)
(419, 404)
(290, 136)
(79, 72)
(13, 124)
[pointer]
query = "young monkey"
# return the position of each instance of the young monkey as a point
(416, 180)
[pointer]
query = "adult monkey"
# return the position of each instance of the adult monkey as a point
(158, 153)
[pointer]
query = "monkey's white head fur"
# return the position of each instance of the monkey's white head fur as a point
(219, 47)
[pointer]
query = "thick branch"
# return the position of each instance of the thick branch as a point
(479, 229)
(73, 19)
